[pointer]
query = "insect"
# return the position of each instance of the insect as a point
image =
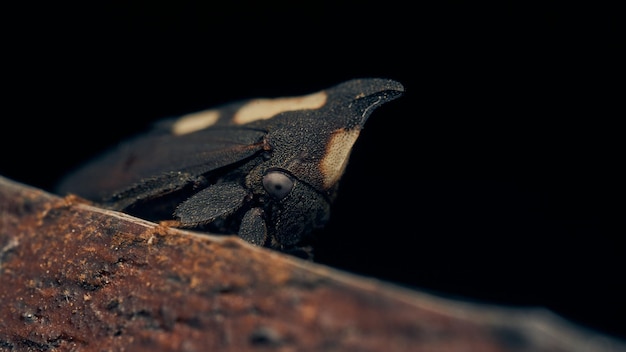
(264, 169)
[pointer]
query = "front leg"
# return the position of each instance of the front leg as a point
(253, 228)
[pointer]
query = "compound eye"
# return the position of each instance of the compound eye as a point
(277, 184)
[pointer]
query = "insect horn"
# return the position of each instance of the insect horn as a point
(349, 106)
(363, 96)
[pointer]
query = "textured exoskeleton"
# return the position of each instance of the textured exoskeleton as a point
(265, 169)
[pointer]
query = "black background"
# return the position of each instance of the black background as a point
(496, 178)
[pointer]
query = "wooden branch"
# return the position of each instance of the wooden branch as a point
(74, 277)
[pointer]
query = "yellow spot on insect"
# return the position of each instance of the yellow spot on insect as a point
(195, 121)
(334, 162)
(263, 109)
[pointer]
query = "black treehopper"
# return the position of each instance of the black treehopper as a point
(265, 169)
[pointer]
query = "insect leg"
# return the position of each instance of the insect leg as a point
(152, 188)
(218, 200)
(253, 228)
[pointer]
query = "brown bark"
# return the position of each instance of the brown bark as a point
(74, 277)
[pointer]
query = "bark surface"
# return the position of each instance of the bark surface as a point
(75, 277)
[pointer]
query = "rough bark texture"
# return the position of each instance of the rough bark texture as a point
(74, 277)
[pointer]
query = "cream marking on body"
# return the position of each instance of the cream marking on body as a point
(334, 162)
(195, 121)
(263, 109)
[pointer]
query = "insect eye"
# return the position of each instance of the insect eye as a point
(277, 184)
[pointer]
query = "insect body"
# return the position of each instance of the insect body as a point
(265, 169)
